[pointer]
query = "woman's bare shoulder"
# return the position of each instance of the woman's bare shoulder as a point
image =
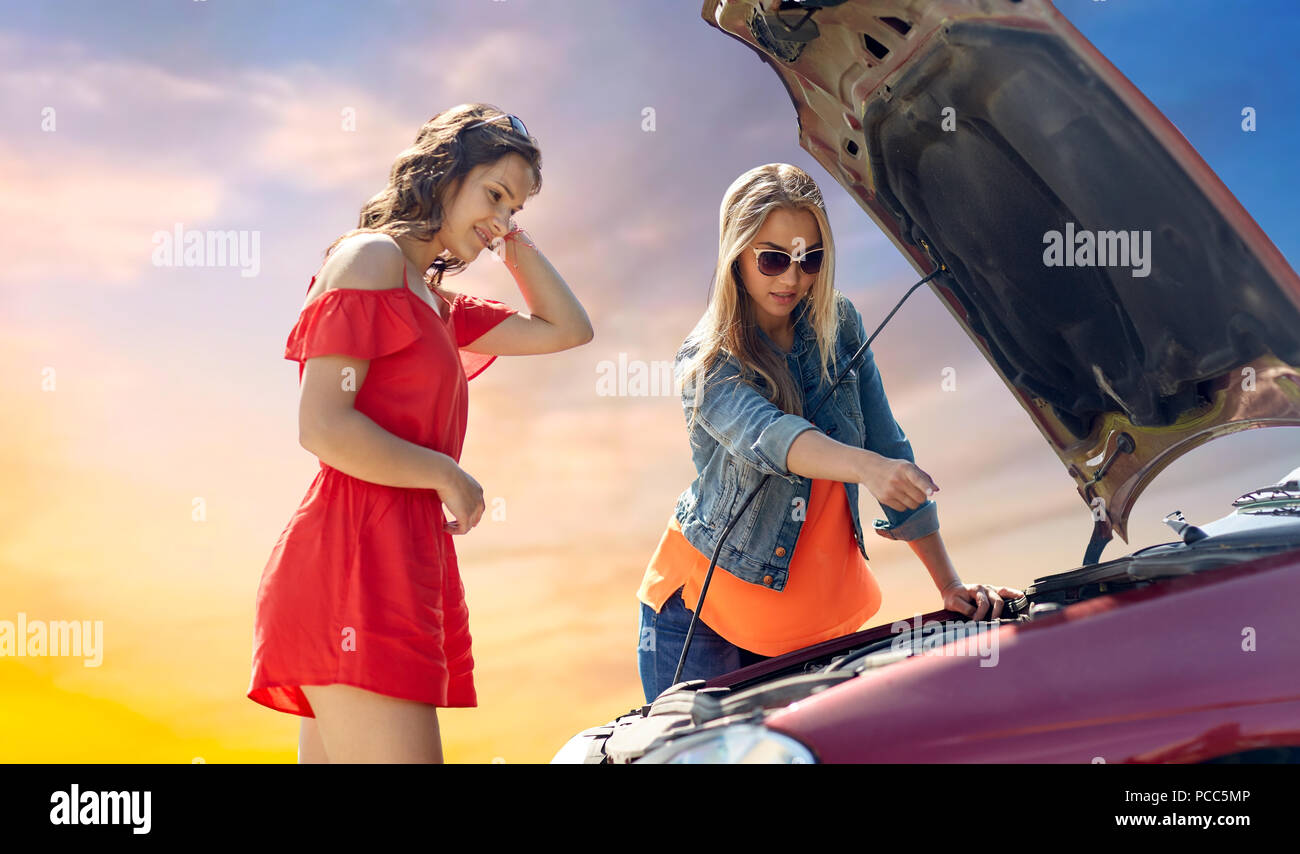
(362, 262)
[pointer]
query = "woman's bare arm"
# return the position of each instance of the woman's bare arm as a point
(557, 320)
(898, 483)
(350, 441)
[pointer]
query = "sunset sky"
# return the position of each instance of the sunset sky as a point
(134, 389)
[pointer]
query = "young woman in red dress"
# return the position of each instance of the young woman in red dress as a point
(361, 623)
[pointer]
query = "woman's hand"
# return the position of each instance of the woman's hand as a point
(898, 483)
(464, 499)
(503, 250)
(976, 600)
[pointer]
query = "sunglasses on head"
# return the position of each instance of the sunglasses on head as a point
(774, 262)
(515, 123)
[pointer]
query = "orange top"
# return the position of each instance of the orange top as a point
(830, 592)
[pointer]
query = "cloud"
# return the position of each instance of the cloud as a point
(498, 65)
(125, 112)
(67, 73)
(303, 140)
(84, 216)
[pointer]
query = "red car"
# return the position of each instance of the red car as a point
(1136, 311)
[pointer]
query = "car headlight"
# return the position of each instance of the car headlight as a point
(740, 744)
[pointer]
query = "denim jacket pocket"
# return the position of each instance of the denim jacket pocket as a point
(848, 396)
(840, 417)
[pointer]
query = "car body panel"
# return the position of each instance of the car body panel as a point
(1160, 674)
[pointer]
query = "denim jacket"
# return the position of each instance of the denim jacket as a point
(740, 436)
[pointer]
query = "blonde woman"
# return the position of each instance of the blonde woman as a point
(794, 566)
(361, 625)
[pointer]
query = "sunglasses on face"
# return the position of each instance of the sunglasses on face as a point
(774, 262)
(515, 123)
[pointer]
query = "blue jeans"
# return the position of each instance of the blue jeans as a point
(661, 638)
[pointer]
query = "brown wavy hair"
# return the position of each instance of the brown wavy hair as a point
(429, 171)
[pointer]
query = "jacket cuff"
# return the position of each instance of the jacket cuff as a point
(918, 523)
(773, 444)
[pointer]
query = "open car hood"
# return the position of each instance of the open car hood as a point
(969, 129)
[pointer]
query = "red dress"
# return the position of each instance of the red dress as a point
(362, 587)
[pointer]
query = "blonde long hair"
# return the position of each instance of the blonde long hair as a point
(729, 327)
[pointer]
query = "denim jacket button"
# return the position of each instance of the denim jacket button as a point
(780, 552)
(767, 579)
